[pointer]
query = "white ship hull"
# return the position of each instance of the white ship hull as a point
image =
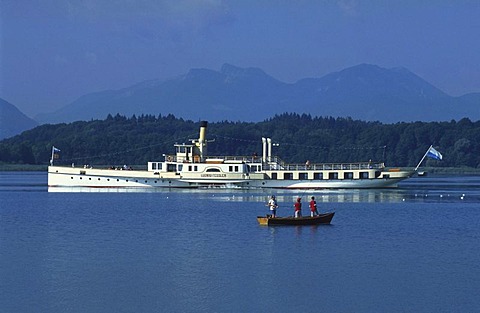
(190, 168)
(103, 178)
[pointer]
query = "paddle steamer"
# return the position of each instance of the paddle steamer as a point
(191, 167)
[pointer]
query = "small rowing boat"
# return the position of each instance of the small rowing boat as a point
(324, 218)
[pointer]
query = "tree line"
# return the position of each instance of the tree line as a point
(121, 140)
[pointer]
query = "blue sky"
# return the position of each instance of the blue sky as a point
(54, 51)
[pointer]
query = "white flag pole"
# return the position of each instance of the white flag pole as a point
(416, 168)
(53, 151)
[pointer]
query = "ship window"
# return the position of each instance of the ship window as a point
(210, 170)
(195, 168)
(333, 175)
(303, 176)
(180, 167)
(89, 178)
(274, 175)
(318, 176)
(154, 166)
(288, 176)
(348, 175)
(99, 179)
(71, 177)
(232, 168)
(108, 179)
(363, 175)
(189, 168)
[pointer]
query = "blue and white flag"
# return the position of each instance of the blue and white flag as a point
(55, 154)
(434, 154)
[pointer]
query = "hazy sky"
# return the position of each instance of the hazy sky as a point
(53, 51)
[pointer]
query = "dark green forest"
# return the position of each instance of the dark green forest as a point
(136, 140)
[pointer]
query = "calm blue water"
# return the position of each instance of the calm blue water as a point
(413, 249)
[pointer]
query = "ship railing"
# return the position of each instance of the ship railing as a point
(323, 166)
(245, 159)
(276, 163)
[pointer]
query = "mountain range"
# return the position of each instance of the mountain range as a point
(364, 92)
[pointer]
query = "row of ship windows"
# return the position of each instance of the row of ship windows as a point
(289, 176)
(319, 176)
(108, 179)
(194, 168)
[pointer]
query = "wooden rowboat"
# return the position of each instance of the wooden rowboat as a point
(324, 218)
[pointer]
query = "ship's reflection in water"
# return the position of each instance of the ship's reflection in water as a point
(451, 189)
(260, 195)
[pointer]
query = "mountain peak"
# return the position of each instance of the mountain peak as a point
(233, 71)
(365, 66)
(12, 121)
(363, 70)
(229, 68)
(371, 70)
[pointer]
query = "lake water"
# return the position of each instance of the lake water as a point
(411, 249)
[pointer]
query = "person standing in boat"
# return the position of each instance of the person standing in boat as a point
(313, 207)
(298, 208)
(272, 203)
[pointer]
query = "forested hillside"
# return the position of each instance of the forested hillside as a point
(120, 140)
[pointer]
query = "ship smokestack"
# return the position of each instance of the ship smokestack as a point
(269, 149)
(202, 142)
(264, 149)
(203, 130)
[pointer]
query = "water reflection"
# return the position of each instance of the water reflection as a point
(432, 189)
